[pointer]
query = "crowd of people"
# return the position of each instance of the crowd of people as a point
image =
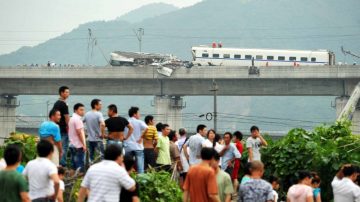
(208, 164)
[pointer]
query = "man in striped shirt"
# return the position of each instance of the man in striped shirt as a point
(105, 180)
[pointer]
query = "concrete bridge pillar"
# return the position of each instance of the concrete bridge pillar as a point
(8, 105)
(340, 103)
(168, 110)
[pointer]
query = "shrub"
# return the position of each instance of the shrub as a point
(158, 186)
(323, 150)
(27, 144)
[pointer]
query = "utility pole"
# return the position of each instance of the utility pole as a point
(88, 46)
(215, 88)
(139, 33)
(47, 109)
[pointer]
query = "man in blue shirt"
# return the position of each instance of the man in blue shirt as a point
(50, 131)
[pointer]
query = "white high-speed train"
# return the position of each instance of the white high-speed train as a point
(219, 56)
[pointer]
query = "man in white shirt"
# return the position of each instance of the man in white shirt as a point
(195, 144)
(105, 180)
(344, 188)
(42, 174)
(253, 144)
(133, 142)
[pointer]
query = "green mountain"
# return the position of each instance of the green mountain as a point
(147, 11)
(283, 24)
(301, 24)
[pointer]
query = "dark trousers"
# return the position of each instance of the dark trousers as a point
(96, 145)
(43, 200)
(77, 158)
(229, 170)
(149, 158)
(162, 167)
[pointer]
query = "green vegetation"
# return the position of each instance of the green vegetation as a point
(27, 144)
(158, 186)
(323, 150)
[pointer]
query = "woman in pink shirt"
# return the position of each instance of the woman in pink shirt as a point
(301, 192)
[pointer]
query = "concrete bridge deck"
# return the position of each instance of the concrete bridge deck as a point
(232, 81)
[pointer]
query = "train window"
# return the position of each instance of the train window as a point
(292, 58)
(248, 57)
(281, 58)
(237, 56)
(313, 59)
(205, 55)
(226, 55)
(303, 59)
(259, 57)
(216, 55)
(270, 57)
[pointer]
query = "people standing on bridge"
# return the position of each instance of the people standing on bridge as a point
(254, 143)
(95, 128)
(77, 138)
(229, 154)
(195, 143)
(13, 186)
(42, 174)
(134, 143)
(116, 125)
(163, 160)
(51, 131)
(62, 106)
(150, 142)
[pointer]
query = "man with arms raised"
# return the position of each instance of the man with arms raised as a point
(116, 125)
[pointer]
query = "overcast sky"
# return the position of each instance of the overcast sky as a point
(24, 22)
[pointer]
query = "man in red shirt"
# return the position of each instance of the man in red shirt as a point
(237, 140)
(200, 183)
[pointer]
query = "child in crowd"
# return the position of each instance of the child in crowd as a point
(275, 183)
(315, 184)
(247, 173)
(61, 173)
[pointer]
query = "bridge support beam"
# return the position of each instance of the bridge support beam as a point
(8, 105)
(168, 110)
(340, 103)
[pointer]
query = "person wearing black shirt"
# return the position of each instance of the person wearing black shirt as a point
(125, 195)
(62, 106)
(115, 125)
